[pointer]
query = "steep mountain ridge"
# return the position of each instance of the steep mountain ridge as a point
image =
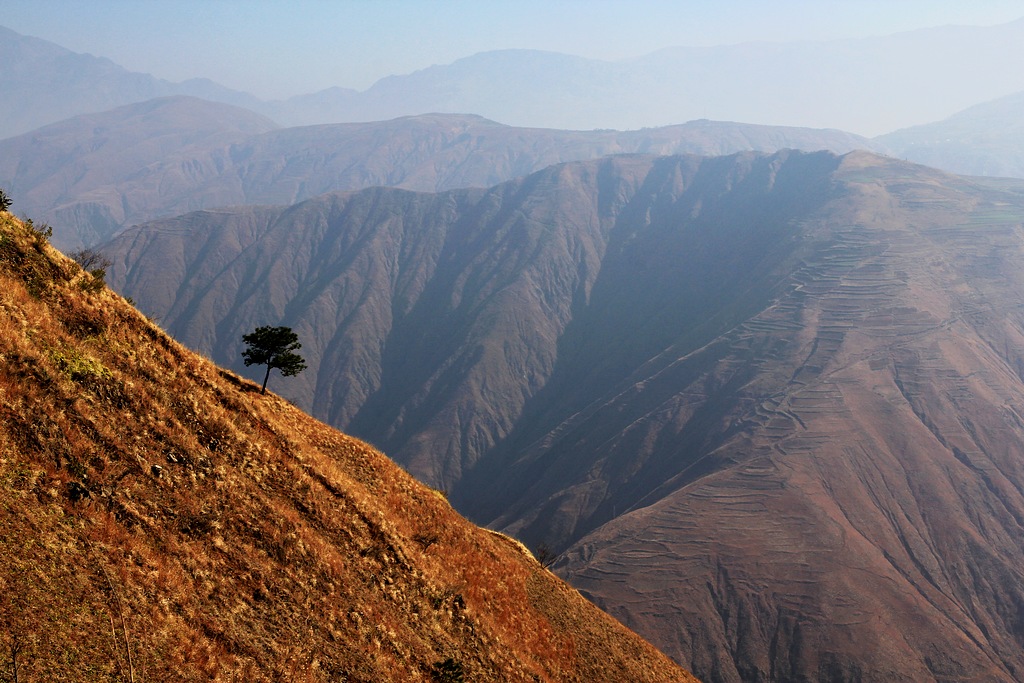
(766, 407)
(445, 282)
(161, 519)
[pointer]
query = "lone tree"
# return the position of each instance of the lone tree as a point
(274, 347)
(5, 201)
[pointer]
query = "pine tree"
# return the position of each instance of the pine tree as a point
(274, 347)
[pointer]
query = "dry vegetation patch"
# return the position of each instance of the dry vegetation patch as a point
(160, 520)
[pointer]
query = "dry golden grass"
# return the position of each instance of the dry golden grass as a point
(161, 520)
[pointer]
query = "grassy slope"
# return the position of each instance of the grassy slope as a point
(161, 520)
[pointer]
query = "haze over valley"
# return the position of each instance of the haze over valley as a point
(728, 337)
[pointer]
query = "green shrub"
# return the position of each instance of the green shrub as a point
(78, 366)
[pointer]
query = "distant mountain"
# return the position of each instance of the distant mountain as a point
(160, 519)
(93, 175)
(896, 80)
(765, 407)
(984, 140)
(44, 83)
(869, 85)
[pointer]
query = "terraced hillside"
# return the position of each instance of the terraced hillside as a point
(766, 408)
(856, 510)
(160, 519)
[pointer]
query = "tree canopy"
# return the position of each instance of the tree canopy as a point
(274, 347)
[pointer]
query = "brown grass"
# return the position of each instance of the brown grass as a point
(161, 520)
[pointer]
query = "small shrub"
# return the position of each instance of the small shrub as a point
(90, 259)
(545, 555)
(448, 671)
(95, 282)
(42, 234)
(425, 539)
(5, 200)
(95, 264)
(78, 366)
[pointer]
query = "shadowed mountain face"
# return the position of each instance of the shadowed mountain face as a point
(767, 408)
(424, 312)
(841, 493)
(94, 175)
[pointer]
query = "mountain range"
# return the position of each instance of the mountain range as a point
(93, 175)
(45, 83)
(161, 519)
(896, 81)
(764, 408)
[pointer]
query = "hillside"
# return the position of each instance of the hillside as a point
(765, 407)
(93, 175)
(984, 140)
(161, 520)
(430, 321)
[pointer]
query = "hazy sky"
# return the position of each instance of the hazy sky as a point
(280, 48)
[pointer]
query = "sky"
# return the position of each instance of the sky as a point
(275, 48)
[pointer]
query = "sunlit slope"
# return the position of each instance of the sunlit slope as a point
(161, 520)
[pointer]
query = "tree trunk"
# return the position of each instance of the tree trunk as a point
(265, 378)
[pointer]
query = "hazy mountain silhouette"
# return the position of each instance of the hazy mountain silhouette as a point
(93, 175)
(765, 404)
(893, 81)
(985, 140)
(44, 83)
